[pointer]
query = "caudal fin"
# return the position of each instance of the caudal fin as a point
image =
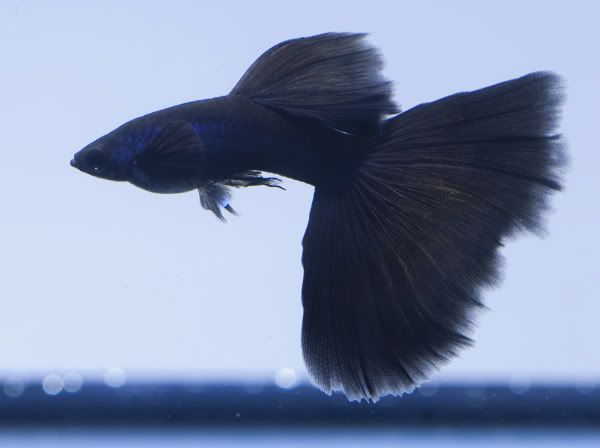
(394, 266)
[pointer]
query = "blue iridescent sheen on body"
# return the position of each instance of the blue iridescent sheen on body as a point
(209, 130)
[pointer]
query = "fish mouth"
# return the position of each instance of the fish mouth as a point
(75, 163)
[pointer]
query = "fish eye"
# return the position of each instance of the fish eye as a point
(96, 160)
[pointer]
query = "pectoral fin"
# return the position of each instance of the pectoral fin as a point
(173, 148)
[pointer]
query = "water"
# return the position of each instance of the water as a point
(297, 437)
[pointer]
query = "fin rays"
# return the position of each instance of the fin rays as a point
(395, 265)
(334, 79)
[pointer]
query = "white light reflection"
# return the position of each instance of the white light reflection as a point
(286, 378)
(72, 382)
(115, 377)
(13, 386)
(52, 384)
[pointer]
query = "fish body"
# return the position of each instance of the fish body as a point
(223, 138)
(409, 210)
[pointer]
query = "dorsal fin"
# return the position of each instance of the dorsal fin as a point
(334, 78)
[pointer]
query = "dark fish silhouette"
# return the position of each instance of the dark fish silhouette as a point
(408, 211)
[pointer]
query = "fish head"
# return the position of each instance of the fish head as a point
(161, 156)
(109, 157)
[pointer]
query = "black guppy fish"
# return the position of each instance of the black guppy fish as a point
(408, 211)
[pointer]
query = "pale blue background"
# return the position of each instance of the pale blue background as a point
(96, 274)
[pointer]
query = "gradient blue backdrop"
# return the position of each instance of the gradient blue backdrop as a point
(96, 274)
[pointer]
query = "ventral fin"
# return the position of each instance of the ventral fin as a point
(333, 78)
(214, 197)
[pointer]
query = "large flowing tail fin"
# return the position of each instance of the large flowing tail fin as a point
(394, 266)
